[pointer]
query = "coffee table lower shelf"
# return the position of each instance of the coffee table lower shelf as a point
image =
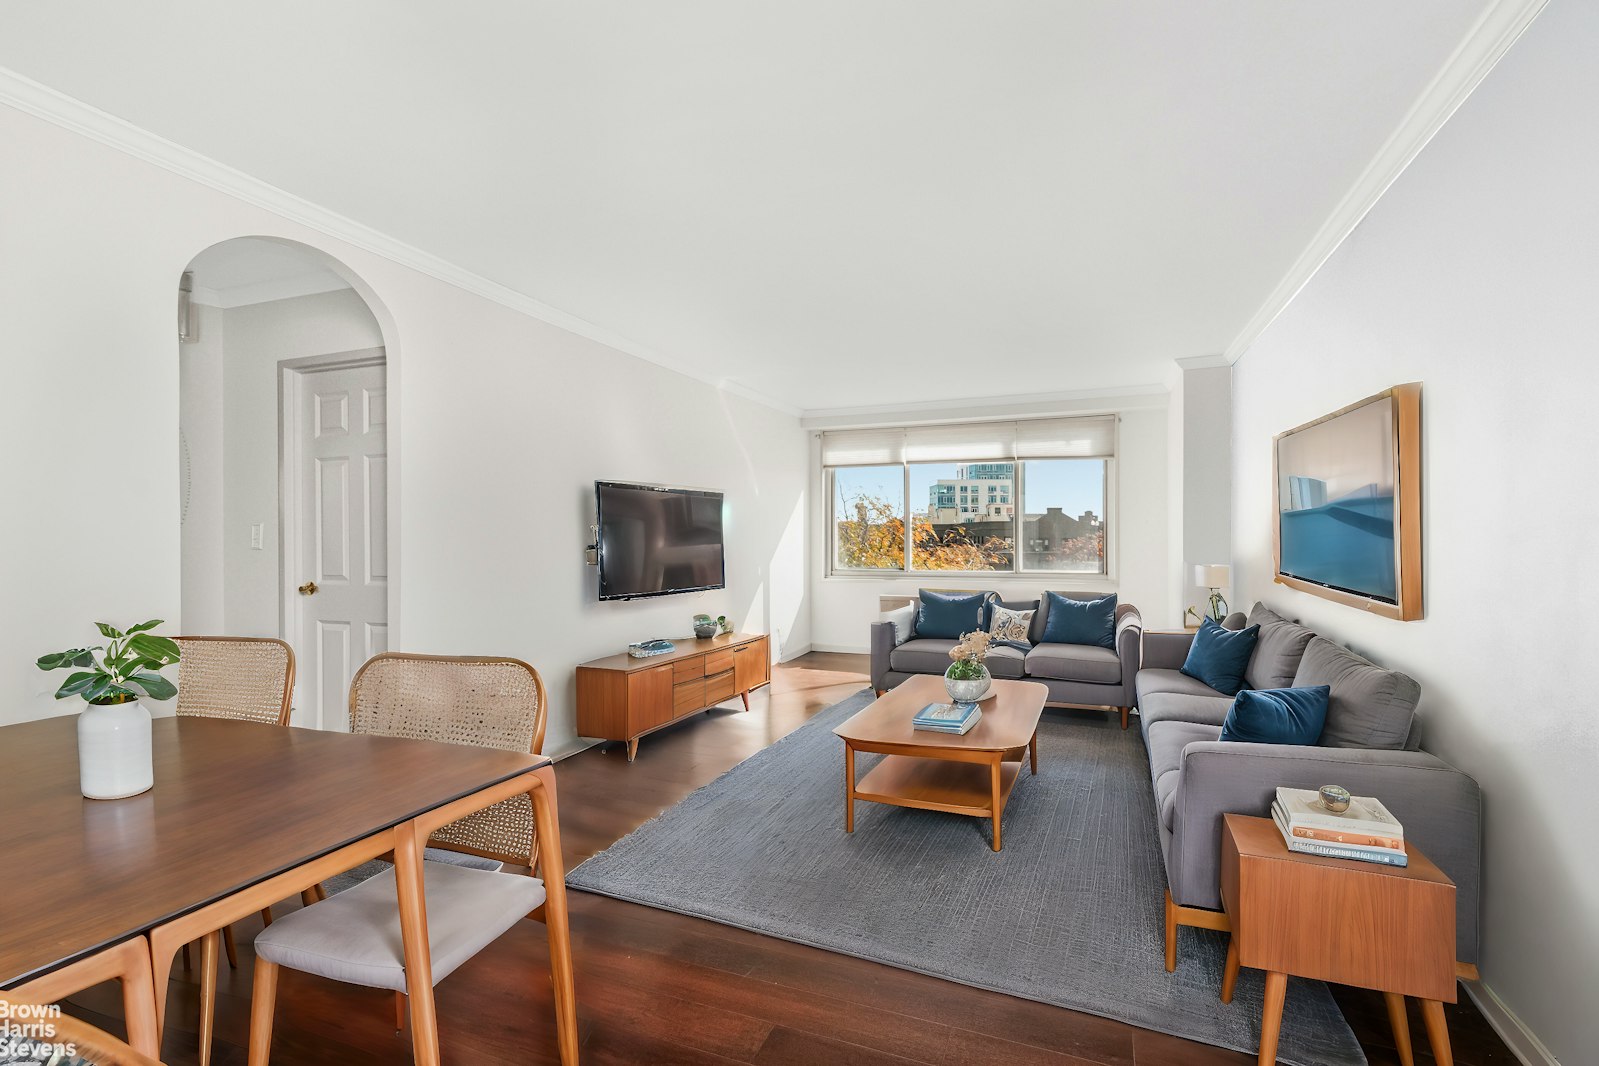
(975, 789)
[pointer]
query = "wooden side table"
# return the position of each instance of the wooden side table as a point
(1355, 923)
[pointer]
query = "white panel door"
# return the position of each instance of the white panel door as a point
(342, 594)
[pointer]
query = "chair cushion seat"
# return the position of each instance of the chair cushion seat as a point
(1152, 680)
(1171, 707)
(461, 858)
(1006, 663)
(354, 936)
(922, 655)
(1075, 662)
(1166, 743)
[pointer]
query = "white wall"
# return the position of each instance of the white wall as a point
(497, 423)
(258, 337)
(843, 607)
(200, 376)
(1206, 476)
(1476, 275)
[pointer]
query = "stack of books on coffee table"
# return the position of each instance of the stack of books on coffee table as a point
(1366, 831)
(958, 718)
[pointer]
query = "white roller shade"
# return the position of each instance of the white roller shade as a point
(1066, 438)
(961, 442)
(863, 447)
(965, 442)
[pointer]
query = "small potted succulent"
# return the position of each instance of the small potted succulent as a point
(967, 679)
(723, 624)
(114, 757)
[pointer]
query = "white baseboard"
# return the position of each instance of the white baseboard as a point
(846, 649)
(572, 747)
(789, 654)
(1523, 1042)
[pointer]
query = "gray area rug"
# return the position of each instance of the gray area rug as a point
(1070, 913)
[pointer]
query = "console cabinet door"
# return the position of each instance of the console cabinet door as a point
(751, 668)
(649, 699)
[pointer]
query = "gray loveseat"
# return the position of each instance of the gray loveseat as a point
(1370, 745)
(1076, 675)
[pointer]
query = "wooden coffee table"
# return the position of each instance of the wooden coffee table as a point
(971, 774)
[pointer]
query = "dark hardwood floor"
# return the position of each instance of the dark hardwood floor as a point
(662, 989)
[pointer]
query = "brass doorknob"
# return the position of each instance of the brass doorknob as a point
(308, 589)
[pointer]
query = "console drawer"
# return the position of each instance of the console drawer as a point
(688, 696)
(720, 686)
(718, 661)
(685, 669)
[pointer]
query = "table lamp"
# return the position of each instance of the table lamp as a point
(1214, 576)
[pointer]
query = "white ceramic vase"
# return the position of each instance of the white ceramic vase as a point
(967, 691)
(114, 757)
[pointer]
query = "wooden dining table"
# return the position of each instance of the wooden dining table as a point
(242, 815)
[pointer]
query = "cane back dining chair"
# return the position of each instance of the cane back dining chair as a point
(353, 936)
(78, 1042)
(247, 679)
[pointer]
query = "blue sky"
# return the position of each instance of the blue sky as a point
(1074, 485)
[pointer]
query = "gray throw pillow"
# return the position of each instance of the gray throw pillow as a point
(1278, 651)
(1369, 707)
(904, 621)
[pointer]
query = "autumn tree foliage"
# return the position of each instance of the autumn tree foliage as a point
(872, 537)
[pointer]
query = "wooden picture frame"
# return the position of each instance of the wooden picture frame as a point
(1404, 404)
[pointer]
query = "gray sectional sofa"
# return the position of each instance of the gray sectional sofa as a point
(1076, 675)
(1370, 745)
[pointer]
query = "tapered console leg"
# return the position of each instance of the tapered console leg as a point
(1229, 974)
(1271, 1016)
(1400, 1023)
(1432, 1013)
(632, 749)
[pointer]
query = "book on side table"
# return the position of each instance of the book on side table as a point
(958, 718)
(1366, 831)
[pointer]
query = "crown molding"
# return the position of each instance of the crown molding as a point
(41, 101)
(1081, 401)
(1202, 362)
(1466, 67)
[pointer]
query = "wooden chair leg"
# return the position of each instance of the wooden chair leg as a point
(230, 947)
(262, 1003)
(266, 915)
(1124, 711)
(208, 991)
(546, 820)
(308, 897)
(399, 1012)
(1400, 1023)
(1171, 934)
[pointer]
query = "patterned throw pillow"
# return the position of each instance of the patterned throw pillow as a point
(1010, 627)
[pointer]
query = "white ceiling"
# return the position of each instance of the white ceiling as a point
(249, 270)
(835, 202)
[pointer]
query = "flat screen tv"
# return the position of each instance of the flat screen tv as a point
(1348, 501)
(655, 541)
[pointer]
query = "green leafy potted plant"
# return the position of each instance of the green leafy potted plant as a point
(967, 679)
(114, 756)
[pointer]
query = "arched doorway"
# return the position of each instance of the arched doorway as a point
(286, 461)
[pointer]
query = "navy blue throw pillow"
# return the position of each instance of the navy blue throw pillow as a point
(1069, 621)
(1277, 715)
(950, 615)
(1219, 656)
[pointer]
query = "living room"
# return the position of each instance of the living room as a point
(802, 259)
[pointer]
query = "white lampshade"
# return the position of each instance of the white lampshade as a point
(1212, 575)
